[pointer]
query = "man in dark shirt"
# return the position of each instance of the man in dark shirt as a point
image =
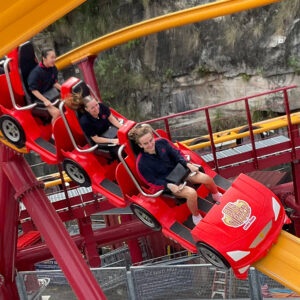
(42, 78)
(158, 158)
(97, 120)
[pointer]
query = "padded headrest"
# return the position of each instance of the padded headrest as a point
(136, 149)
(81, 88)
(27, 62)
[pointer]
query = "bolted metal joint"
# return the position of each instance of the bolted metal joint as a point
(2, 279)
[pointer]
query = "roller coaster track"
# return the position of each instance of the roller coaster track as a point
(283, 261)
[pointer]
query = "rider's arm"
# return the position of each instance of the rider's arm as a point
(148, 175)
(114, 121)
(39, 96)
(102, 140)
(175, 154)
(57, 86)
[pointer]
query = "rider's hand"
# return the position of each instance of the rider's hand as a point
(115, 141)
(173, 187)
(192, 168)
(47, 103)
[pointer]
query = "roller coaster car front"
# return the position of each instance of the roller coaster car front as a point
(243, 228)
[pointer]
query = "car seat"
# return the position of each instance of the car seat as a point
(27, 62)
(103, 149)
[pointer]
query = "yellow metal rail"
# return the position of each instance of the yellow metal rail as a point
(4, 141)
(54, 179)
(232, 134)
(22, 19)
(184, 17)
(283, 261)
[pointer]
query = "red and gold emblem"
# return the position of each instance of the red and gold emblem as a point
(237, 214)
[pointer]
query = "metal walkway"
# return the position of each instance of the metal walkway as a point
(246, 148)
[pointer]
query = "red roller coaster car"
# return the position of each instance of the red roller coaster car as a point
(23, 122)
(235, 232)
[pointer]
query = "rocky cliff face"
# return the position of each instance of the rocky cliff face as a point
(192, 66)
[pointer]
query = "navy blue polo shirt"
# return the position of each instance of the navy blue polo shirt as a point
(154, 168)
(42, 78)
(95, 126)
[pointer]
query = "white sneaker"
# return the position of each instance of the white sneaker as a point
(196, 219)
(217, 196)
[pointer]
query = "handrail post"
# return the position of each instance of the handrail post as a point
(157, 194)
(288, 115)
(10, 89)
(249, 119)
(61, 106)
(212, 143)
(168, 129)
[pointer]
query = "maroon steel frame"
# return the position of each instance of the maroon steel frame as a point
(19, 183)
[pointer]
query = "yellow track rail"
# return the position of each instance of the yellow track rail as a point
(184, 17)
(54, 179)
(232, 134)
(22, 19)
(283, 262)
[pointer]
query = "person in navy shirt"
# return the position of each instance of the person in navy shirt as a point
(158, 158)
(96, 120)
(42, 78)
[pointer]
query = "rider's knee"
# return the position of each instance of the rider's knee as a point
(191, 193)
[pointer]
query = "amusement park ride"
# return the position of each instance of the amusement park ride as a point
(251, 215)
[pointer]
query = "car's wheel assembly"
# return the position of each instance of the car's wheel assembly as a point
(12, 130)
(144, 216)
(212, 256)
(76, 172)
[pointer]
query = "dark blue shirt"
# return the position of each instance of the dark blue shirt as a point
(41, 78)
(154, 168)
(95, 126)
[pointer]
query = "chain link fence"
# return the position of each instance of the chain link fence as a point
(176, 282)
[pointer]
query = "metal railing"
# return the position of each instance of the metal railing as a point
(184, 281)
(245, 100)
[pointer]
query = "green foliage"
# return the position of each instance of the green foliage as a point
(260, 115)
(89, 21)
(169, 73)
(286, 13)
(245, 77)
(260, 72)
(201, 71)
(132, 44)
(295, 64)
(119, 82)
(221, 122)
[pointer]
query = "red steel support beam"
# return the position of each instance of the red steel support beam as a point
(52, 229)
(9, 208)
(133, 244)
(294, 133)
(103, 237)
(90, 247)
(87, 67)
(249, 119)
